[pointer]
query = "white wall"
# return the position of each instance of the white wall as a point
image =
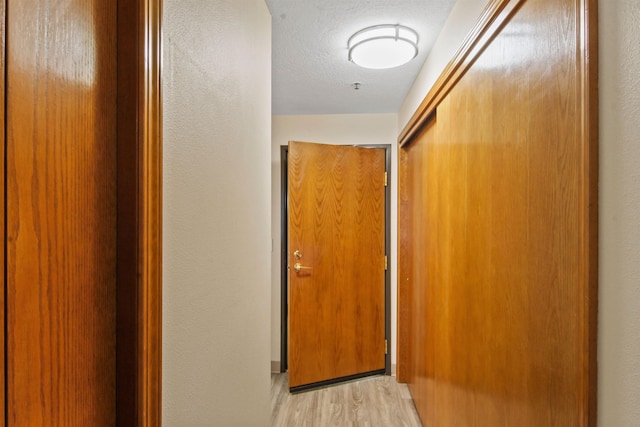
(619, 328)
(347, 129)
(462, 18)
(217, 127)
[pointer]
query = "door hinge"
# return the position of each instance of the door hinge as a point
(386, 263)
(386, 347)
(385, 179)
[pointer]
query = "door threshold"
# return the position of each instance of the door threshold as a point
(335, 381)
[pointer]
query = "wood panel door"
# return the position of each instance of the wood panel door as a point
(498, 225)
(61, 213)
(336, 262)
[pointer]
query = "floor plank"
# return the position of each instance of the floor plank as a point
(372, 402)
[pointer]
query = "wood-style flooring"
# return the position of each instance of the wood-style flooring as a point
(373, 401)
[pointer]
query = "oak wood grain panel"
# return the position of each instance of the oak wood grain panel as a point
(404, 323)
(412, 279)
(336, 220)
(501, 216)
(61, 182)
(492, 19)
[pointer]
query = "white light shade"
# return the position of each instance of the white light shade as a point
(383, 46)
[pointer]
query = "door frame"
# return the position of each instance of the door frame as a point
(284, 256)
(139, 213)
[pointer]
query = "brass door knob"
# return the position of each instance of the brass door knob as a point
(298, 267)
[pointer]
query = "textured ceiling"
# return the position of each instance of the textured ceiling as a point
(311, 74)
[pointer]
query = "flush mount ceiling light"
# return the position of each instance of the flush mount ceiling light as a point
(383, 46)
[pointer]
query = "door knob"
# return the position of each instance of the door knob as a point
(298, 267)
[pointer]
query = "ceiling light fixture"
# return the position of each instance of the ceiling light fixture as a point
(383, 46)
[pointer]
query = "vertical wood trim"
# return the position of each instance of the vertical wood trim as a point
(3, 366)
(590, 129)
(402, 309)
(139, 213)
(150, 202)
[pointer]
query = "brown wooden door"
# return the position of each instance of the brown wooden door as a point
(498, 225)
(337, 262)
(61, 213)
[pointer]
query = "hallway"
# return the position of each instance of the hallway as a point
(221, 299)
(374, 401)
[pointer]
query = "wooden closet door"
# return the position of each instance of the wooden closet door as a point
(61, 217)
(498, 225)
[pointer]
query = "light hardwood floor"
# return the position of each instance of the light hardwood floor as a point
(373, 401)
